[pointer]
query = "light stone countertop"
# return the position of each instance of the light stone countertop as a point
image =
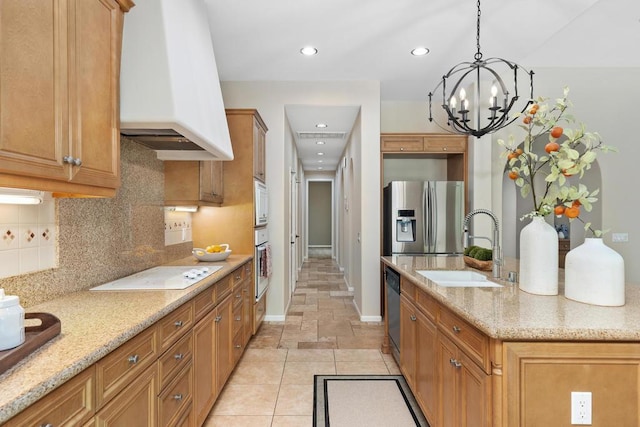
(507, 313)
(92, 325)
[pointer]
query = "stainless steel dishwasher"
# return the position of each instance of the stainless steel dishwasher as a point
(392, 280)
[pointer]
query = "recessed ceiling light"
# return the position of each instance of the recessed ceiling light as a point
(420, 51)
(320, 154)
(321, 125)
(308, 51)
(320, 142)
(320, 168)
(320, 161)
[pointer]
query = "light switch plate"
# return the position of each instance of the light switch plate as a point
(619, 237)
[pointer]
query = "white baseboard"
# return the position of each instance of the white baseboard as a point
(366, 318)
(274, 318)
(371, 318)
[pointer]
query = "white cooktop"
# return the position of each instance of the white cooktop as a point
(160, 278)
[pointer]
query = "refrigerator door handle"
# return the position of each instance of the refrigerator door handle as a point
(425, 219)
(433, 217)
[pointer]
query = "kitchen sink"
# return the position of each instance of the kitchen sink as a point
(458, 278)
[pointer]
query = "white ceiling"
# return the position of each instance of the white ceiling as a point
(257, 40)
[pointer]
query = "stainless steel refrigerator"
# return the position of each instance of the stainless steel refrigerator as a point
(423, 217)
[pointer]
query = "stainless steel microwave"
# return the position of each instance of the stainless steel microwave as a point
(261, 204)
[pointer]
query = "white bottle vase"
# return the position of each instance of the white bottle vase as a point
(594, 274)
(539, 258)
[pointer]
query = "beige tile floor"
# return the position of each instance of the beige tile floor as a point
(272, 386)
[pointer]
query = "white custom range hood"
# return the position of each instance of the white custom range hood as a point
(170, 98)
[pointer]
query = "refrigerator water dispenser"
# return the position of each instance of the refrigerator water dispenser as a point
(406, 226)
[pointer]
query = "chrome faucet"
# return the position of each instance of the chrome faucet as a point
(495, 243)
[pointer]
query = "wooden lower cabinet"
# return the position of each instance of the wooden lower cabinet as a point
(465, 390)
(136, 405)
(213, 357)
(408, 340)
(425, 382)
(539, 378)
(70, 404)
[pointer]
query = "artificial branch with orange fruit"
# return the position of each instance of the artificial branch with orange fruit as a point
(568, 152)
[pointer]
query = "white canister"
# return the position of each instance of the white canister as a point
(11, 321)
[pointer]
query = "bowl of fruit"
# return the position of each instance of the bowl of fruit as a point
(212, 253)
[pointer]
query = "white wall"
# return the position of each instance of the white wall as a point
(270, 99)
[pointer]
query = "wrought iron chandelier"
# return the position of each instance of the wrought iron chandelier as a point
(479, 73)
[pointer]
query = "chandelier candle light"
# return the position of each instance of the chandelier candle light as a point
(474, 74)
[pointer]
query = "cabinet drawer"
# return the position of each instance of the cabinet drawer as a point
(120, 367)
(439, 144)
(176, 397)
(222, 289)
(237, 297)
(248, 270)
(204, 302)
(407, 288)
(174, 359)
(473, 342)
(237, 319)
(238, 347)
(564, 244)
(427, 305)
(70, 404)
(237, 277)
(172, 326)
(401, 143)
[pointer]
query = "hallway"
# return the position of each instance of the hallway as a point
(272, 386)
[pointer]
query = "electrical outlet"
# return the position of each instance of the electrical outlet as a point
(581, 408)
(619, 237)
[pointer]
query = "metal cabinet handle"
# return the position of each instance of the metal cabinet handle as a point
(71, 161)
(238, 319)
(178, 323)
(456, 329)
(177, 396)
(179, 356)
(238, 277)
(413, 317)
(238, 346)
(46, 425)
(455, 363)
(401, 148)
(133, 359)
(239, 296)
(218, 318)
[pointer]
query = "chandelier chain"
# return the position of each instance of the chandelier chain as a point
(478, 55)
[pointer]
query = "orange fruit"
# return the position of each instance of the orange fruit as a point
(526, 120)
(512, 155)
(572, 212)
(576, 203)
(551, 147)
(565, 173)
(519, 151)
(513, 175)
(534, 109)
(556, 132)
(558, 210)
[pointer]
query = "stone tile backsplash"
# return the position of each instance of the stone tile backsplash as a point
(98, 240)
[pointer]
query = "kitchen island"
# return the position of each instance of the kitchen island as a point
(96, 324)
(497, 356)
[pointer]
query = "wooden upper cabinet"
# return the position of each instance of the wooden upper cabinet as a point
(422, 143)
(194, 183)
(59, 79)
(259, 149)
(401, 143)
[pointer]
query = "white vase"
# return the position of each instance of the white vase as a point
(594, 274)
(539, 258)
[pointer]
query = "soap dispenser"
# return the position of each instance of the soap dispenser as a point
(11, 321)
